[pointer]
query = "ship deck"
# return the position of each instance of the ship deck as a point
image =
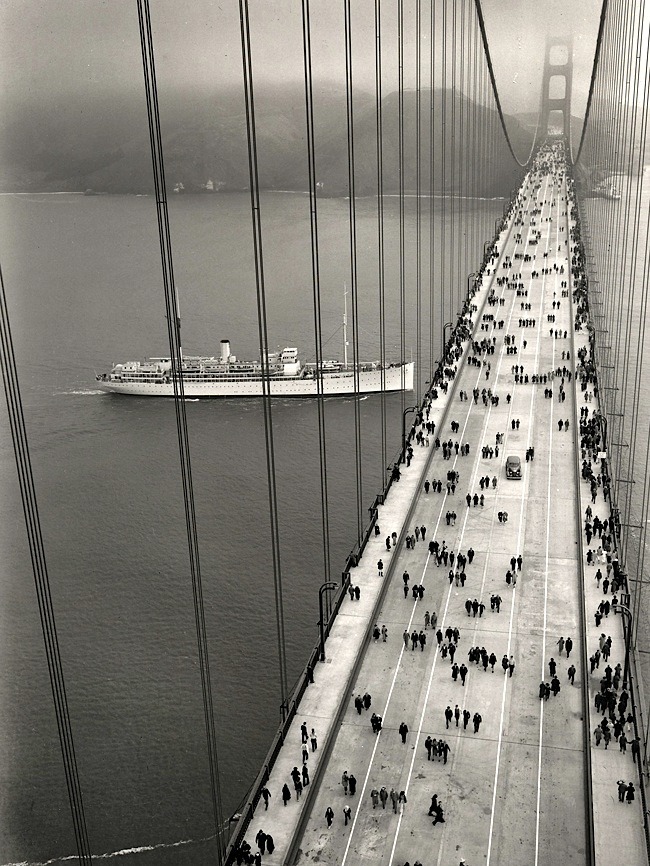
(515, 791)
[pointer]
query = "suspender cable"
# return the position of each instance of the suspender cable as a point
(315, 266)
(418, 194)
(247, 66)
(381, 255)
(432, 189)
(443, 181)
(173, 329)
(453, 190)
(353, 262)
(41, 578)
(400, 135)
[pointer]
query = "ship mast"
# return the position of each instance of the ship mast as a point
(345, 326)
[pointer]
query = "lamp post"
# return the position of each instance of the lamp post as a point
(628, 637)
(473, 275)
(404, 414)
(444, 337)
(328, 585)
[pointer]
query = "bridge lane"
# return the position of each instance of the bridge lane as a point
(366, 829)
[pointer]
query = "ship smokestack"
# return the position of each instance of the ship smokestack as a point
(225, 351)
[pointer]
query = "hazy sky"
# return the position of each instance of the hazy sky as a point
(52, 48)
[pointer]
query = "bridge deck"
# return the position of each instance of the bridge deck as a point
(514, 791)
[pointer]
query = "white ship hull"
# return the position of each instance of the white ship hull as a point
(394, 378)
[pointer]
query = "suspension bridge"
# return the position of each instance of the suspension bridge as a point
(470, 558)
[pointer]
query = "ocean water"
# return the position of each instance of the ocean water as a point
(83, 282)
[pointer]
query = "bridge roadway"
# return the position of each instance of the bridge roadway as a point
(513, 792)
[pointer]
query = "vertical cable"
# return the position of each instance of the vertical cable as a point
(247, 66)
(353, 262)
(381, 254)
(41, 578)
(315, 268)
(173, 333)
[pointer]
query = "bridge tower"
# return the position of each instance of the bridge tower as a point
(556, 86)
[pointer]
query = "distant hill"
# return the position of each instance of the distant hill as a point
(74, 146)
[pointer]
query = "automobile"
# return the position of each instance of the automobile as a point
(513, 467)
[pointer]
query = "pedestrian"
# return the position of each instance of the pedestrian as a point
(434, 805)
(598, 734)
(457, 714)
(261, 841)
(477, 719)
(352, 782)
(358, 703)
(384, 633)
(466, 717)
(428, 743)
(383, 796)
(511, 665)
(571, 671)
(406, 637)
(401, 800)
(374, 796)
(286, 794)
(462, 670)
(504, 664)
(298, 786)
(622, 790)
(303, 732)
(314, 740)
(568, 646)
(305, 753)
(393, 798)
(403, 731)
(345, 781)
(347, 815)
(629, 797)
(265, 795)
(560, 645)
(270, 844)
(448, 715)
(552, 666)
(380, 568)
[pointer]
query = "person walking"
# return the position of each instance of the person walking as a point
(265, 795)
(466, 717)
(511, 665)
(462, 670)
(571, 671)
(560, 645)
(477, 719)
(329, 815)
(393, 798)
(347, 815)
(448, 715)
(457, 714)
(286, 794)
(383, 796)
(314, 740)
(629, 797)
(345, 781)
(352, 782)
(374, 796)
(568, 646)
(622, 790)
(403, 731)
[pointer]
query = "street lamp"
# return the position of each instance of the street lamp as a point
(404, 414)
(469, 277)
(328, 585)
(628, 636)
(444, 336)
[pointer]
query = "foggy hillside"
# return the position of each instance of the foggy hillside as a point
(75, 146)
